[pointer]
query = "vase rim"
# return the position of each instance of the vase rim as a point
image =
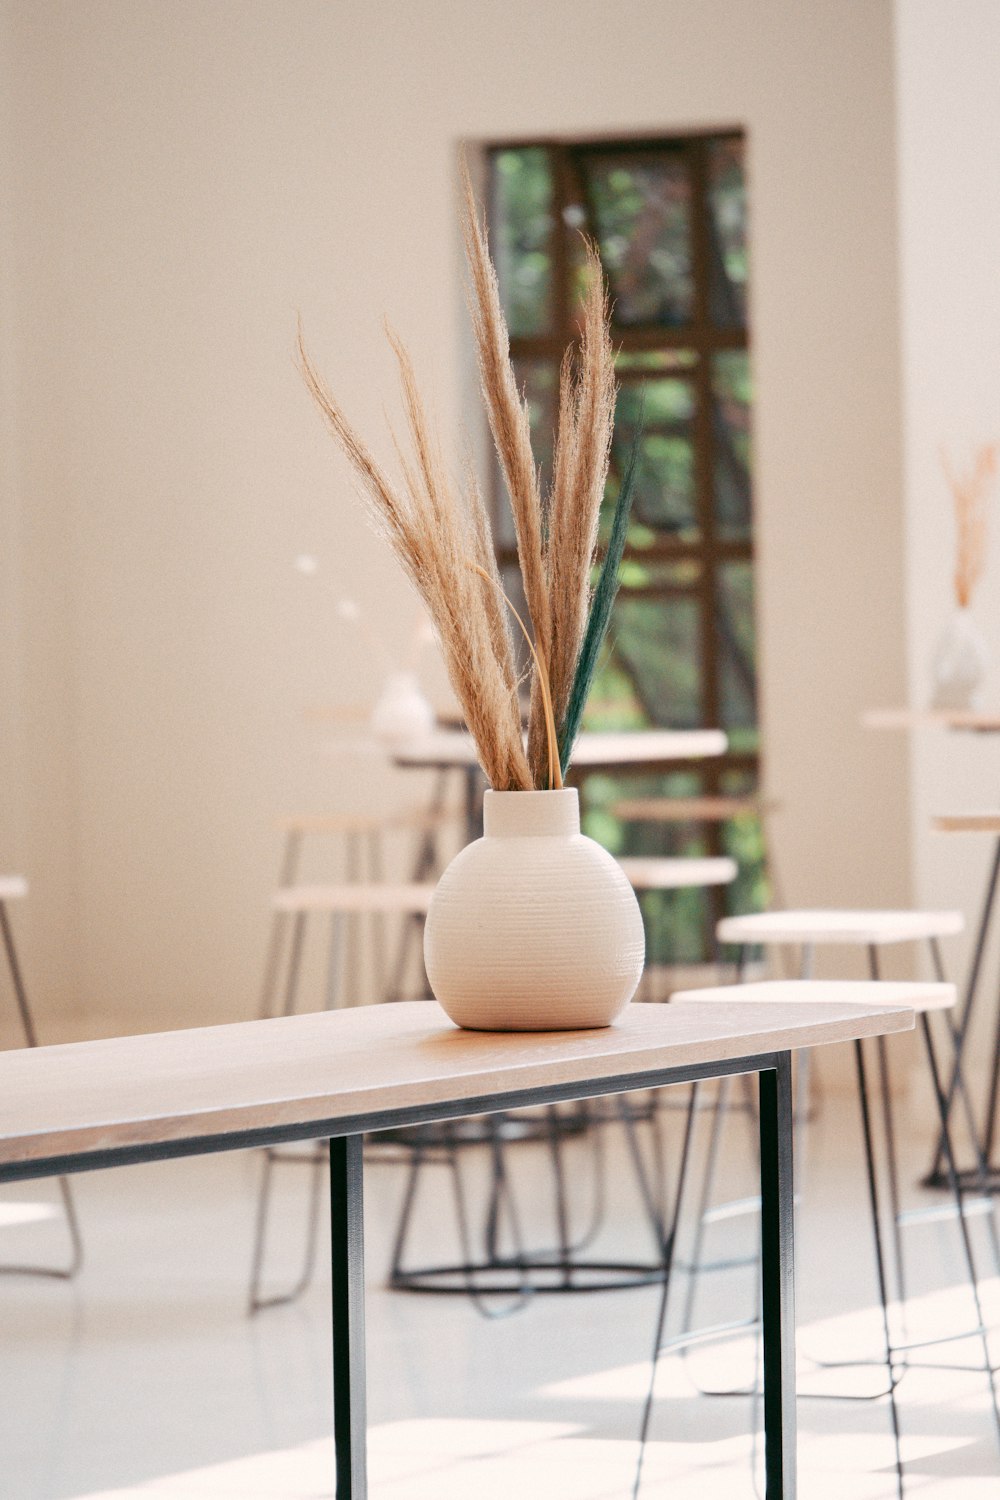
(535, 813)
(548, 791)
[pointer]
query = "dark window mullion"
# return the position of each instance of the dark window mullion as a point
(705, 491)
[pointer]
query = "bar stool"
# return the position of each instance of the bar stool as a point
(508, 1274)
(567, 1267)
(872, 931)
(986, 822)
(875, 929)
(651, 873)
(362, 860)
(339, 903)
(15, 888)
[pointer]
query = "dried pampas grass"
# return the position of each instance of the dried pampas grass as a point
(969, 492)
(435, 538)
(443, 539)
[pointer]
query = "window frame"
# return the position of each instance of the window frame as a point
(705, 338)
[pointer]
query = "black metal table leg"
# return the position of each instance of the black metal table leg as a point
(777, 1274)
(348, 1295)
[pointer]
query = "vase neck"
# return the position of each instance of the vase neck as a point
(531, 814)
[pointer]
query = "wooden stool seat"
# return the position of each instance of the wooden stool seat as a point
(359, 823)
(407, 897)
(971, 822)
(861, 928)
(655, 873)
(688, 809)
(922, 997)
(13, 887)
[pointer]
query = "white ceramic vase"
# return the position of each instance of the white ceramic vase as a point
(960, 662)
(533, 927)
(402, 713)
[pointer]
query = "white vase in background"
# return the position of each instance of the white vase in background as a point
(533, 927)
(960, 662)
(402, 713)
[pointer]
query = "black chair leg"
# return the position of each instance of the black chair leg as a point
(669, 1248)
(956, 1191)
(883, 1289)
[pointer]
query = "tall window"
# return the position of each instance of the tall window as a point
(669, 219)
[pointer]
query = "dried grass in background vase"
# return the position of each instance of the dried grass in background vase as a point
(961, 658)
(533, 926)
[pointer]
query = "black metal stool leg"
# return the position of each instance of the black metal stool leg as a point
(279, 923)
(260, 1234)
(968, 1005)
(956, 1189)
(989, 1137)
(669, 1248)
(650, 1192)
(402, 1228)
(980, 1171)
(891, 1155)
(316, 1161)
(559, 1177)
(883, 1289)
(707, 1183)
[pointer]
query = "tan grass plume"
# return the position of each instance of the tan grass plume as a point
(435, 537)
(555, 568)
(443, 539)
(969, 493)
(583, 450)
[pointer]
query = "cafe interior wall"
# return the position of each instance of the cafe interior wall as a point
(949, 235)
(182, 180)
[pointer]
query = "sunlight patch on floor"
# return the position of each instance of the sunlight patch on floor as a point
(453, 1459)
(13, 1215)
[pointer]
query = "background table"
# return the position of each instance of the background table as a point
(593, 750)
(449, 750)
(337, 1075)
(969, 721)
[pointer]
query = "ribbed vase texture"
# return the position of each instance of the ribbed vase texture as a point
(533, 927)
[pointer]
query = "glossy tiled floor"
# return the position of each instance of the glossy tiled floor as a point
(147, 1379)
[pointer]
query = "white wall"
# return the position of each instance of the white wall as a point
(185, 178)
(949, 145)
(38, 769)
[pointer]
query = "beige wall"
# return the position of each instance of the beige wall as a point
(38, 767)
(949, 130)
(185, 177)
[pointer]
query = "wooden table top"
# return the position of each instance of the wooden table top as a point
(967, 822)
(858, 928)
(356, 897)
(923, 997)
(354, 1069)
(455, 747)
(978, 721)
